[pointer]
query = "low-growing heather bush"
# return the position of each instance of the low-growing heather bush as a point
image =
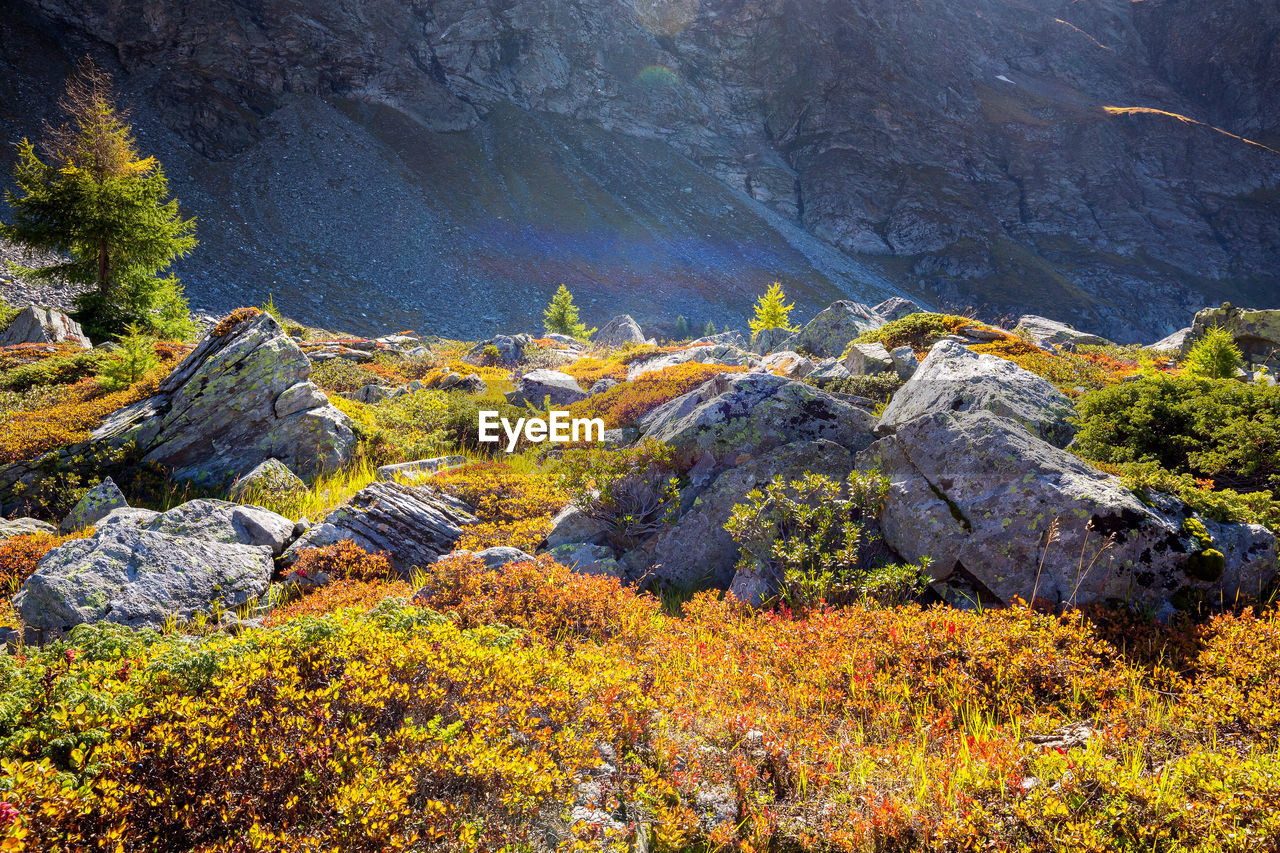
(338, 374)
(343, 560)
(61, 369)
(878, 386)
(1227, 505)
(19, 556)
(25, 434)
(1221, 430)
(589, 370)
(514, 506)
(1088, 369)
(622, 405)
(918, 331)
(337, 596)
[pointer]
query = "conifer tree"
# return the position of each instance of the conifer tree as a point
(561, 316)
(682, 328)
(1214, 356)
(96, 200)
(135, 358)
(709, 329)
(772, 311)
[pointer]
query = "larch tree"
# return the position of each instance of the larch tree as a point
(88, 195)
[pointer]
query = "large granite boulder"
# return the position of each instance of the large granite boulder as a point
(726, 354)
(1256, 333)
(738, 416)
(270, 480)
(539, 387)
(510, 349)
(97, 503)
(697, 552)
(770, 340)
(36, 325)
(142, 571)
(1175, 343)
(241, 397)
(786, 363)
(832, 328)
(732, 337)
(980, 495)
(1052, 335)
(955, 379)
(25, 527)
(619, 331)
(867, 359)
(895, 308)
(412, 525)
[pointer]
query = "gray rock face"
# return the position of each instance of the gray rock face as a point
(271, 479)
(573, 525)
(140, 577)
(955, 379)
(731, 337)
(419, 469)
(867, 359)
(538, 387)
(510, 348)
(236, 401)
(745, 415)
(787, 363)
(769, 340)
(1052, 335)
(603, 384)
(895, 308)
(589, 559)
(697, 552)
(36, 325)
(502, 555)
(1175, 343)
(1256, 333)
(831, 330)
(96, 504)
(978, 494)
(618, 332)
(25, 527)
(219, 521)
(904, 361)
(413, 525)
(726, 354)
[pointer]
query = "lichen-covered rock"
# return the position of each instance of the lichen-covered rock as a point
(729, 337)
(573, 525)
(1052, 335)
(539, 387)
(1256, 333)
(412, 525)
(36, 325)
(786, 363)
(955, 379)
(867, 359)
(1175, 343)
(96, 504)
(770, 340)
(904, 361)
(696, 551)
(979, 495)
(419, 469)
(830, 331)
(619, 331)
(269, 481)
(502, 555)
(24, 527)
(139, 577)
(510, 349)
(895, 308)
(745, 415)
(220, 521)
(726, 354)
(603, 384)
(242, 396)
(588, 559)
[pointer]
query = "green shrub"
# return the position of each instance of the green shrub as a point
(1222, 430)
(338, 374)
(1225, 505)
(7, 313)
(807, 535)
(135, 358)
(918, 331)
(878, 387)
(59, 370)
(632, 491)
(1214, 356)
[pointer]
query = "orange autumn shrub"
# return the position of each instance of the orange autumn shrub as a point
(229, 323)
(27, 434)
(19, 556)
(343, 560)
(624, 404)
(1090, 368)
(589, 370)
(512, 507)
(340, 595)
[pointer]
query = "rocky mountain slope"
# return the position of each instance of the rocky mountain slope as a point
(446, 164)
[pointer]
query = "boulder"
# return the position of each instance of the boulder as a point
(1052, 335)
(786, 363)
(618, 332)
(726, 354)
(770, 340)
(731, 337)
(904, 361)
(270, 480)
(502, 555)
(412, 525)
(419, 469)
(96, 504)
(895, 308)
(36, 325)
(979, 495)
(588, 559)
(127, 515)
(573, 525)
(241, 397)
(24, 527)
(139, 577)
(1256, 333)
(603, 384)
(955, 379)
(220, 521)
(510, 349)
(744, 415)
(867, 359)
(827, 371)
(831, 330)
(697, 552)
(538, 387)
